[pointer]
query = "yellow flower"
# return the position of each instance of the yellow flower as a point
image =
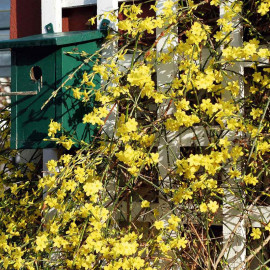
(92, 188)
(256, 233)
(147, 140)
(51, 165)
(213, 206)
(145, 204)
(234, 174)
(41, 242)
(66, 158)
(85, 78)
(80, 174)
(3, 241)
(70, 185)
(92, 20)
(155, 157)
(263, 147)
(264, 7)
(139, 76)
(67, 144)
(249, 179)
(179, 243)
(257, 77)
(203, 207)
(14, 189)
(76, 93)
(224, 142)
(59, 241)
(215, 2)
(131, 125)
(256, 113)
(53, 128)
(159, 224)
(54, 228)
(137, 263)
(182, 242)
(267, 227)
(173, 222)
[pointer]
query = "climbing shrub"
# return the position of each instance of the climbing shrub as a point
(182, 145)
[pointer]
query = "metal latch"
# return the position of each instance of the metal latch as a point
(49, 28)
(104, 25)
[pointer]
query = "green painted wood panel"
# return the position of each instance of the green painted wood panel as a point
(53, 39)
(29, 122)
(69, 109)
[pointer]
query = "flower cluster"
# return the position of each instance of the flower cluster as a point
(180, 139)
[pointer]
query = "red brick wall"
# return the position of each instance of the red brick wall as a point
(25, 18)
(75, 19)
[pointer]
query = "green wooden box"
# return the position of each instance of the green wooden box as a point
(40, 64)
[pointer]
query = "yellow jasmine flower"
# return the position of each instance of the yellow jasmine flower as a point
(54, 228)
(173, 222)
(213, 206)
(155, 157)
(159, 224)
(66, 158)
(234, 173)
(182, 242)
(256, 233)
(67, 144)
(250, 179)
(59, 242)
(224, 142)
(131, 125)
(256, 113)
(145, 204)
(215, 2)
(264, 7)
(51, 165)
(76, 93)
(92, 188)
(203, 207)
(53, 128)
(41, 242)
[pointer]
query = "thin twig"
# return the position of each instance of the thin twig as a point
(256, 251)
(235, 229)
